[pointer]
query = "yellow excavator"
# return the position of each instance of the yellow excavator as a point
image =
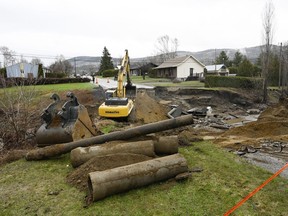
(119, 102)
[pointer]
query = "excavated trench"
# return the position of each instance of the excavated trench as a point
(254, 131)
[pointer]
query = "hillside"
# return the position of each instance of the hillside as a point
(88, 63)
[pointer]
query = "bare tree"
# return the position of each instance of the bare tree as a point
(36, 61)
(166, 47)
(15, 104)
(9, 55)
(23, 60)
(61, 66)
(268, 18)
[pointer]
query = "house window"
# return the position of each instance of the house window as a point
(191, 71)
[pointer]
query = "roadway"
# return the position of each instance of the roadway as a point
(108, 83)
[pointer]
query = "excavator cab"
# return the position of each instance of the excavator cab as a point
(71, 123)
(110, 93)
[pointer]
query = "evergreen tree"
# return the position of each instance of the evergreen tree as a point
(273, 77)
(40, 71)
(223, 59)
(246, 68)
(106, 61)
(238, 58)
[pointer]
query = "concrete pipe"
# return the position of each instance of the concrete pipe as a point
(166, 145)
(58, 149)
(80, 155)
(105, 183)
(161, 146)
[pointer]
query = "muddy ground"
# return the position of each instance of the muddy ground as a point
(231, 124)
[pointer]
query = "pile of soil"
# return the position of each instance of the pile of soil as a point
(148, 109)
(78, 177)
(272, 124)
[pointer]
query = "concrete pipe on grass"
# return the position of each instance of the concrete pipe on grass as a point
(102, 184)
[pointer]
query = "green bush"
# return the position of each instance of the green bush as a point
(233, 82)
(233, 70)
(110, 73)
(55, 75)
(152, 73)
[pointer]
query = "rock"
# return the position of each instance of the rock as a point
(182, 176)
(196, 169)
(253, 111)
(1, 144)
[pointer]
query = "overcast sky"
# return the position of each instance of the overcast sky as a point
(84, 27)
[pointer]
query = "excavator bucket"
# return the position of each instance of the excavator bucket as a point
(130, 91)
(70, 124)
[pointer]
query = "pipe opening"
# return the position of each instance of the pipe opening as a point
(90, 197)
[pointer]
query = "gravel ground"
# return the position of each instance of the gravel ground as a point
(267, 162)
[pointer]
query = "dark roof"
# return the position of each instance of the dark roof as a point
(148, 65)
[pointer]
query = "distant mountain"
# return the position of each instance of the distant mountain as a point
(208, 56)
(84, 64)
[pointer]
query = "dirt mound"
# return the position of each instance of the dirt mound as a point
(272, 124)
(79, 176)
(275, 112)
(148, 110)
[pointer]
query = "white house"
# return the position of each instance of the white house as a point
(180, 68)
(25, 70)
(219, 69)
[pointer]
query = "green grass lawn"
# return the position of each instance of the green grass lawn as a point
(56, 87)
(40, 90)
(65, 87)
(40, 188)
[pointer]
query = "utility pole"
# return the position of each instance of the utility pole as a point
(215, 61)
(280, 64)
(75, 66)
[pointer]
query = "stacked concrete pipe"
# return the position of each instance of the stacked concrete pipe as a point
(160, 146)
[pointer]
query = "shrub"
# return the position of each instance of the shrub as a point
(233, 70)
(110, 73)
(15, 105)
(233, 82)
(152, 73)
(55, 75)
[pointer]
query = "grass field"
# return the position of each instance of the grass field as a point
(40, 188)
(43, 89)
